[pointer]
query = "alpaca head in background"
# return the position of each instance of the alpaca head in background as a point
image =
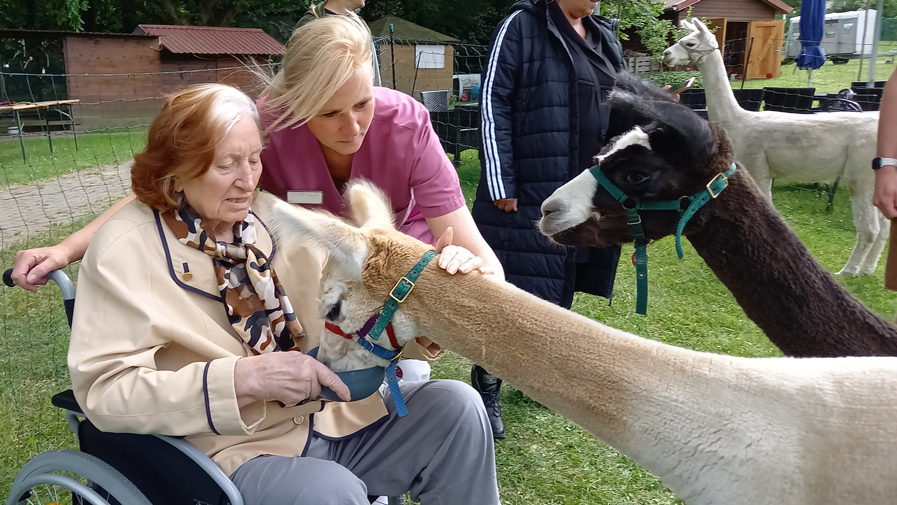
(672, 154)
(693, 47)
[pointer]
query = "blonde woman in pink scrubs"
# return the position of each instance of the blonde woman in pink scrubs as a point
(327, 124)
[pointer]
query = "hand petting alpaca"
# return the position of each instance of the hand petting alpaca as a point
(454, 258)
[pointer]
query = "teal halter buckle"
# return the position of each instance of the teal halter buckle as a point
(398, 294)
(633, 206)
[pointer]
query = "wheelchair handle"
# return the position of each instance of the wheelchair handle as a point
(65, 285)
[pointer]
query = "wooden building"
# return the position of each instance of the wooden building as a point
(121, 79)
(423, 59)
(197, 54)
(748, 31)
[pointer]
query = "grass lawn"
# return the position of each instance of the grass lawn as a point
(94, 149)
(545, 459)
(829, 78)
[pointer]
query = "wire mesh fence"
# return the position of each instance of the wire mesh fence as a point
(65, 157)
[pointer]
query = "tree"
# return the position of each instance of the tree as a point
(122, 16)
(645, 17)
(795, 4)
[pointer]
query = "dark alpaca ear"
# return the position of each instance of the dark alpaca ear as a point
(631, 83)
(679, 130)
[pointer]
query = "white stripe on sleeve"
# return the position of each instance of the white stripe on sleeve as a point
(491, 156)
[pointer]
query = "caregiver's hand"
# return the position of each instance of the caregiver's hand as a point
(454, 258)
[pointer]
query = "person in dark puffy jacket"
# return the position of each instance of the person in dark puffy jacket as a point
(551, 65)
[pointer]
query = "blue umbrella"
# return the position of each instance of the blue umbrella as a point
(812, 22)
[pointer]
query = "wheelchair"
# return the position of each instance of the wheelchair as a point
(120, 468)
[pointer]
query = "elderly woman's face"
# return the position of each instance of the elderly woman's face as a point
(221, 196)
(344, 120)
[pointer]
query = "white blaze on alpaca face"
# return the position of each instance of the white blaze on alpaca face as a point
(571, 204)
(634, 137)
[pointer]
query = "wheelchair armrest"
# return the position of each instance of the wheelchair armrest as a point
(66, 400)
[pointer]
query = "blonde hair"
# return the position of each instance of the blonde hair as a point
(319, 58)
(182, 140)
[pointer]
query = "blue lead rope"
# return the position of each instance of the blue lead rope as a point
(633, 206)
(393, 381)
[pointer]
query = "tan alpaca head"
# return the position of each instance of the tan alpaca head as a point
(693, 47)
(366, 258)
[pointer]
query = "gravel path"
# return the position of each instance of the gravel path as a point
(28, 209)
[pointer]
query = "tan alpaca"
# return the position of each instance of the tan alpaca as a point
(716, 429)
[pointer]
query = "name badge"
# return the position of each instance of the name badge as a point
(305, 197)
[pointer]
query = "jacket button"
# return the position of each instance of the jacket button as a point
(298, 420)
(187, 276)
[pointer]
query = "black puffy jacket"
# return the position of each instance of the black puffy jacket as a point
(530, 122)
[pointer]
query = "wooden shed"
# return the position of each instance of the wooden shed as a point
(197, 54)
(423, 58)
(747, 30)
(121, 79)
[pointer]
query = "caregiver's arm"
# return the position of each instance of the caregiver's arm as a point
(32, 265)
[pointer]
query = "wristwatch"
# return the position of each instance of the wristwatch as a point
(883, 162)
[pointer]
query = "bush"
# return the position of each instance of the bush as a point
(676, 78)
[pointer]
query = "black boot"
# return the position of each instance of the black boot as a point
(489, 387)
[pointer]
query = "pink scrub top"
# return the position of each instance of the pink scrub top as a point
(401, 154)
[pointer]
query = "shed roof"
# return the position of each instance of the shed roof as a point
(408, 32)
(212, 39)
(679, 5)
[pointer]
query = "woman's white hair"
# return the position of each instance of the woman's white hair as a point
(228, 105)
(319, 58)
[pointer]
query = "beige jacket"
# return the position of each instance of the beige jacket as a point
(152, 351)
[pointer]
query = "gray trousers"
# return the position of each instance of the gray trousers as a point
(441, 452)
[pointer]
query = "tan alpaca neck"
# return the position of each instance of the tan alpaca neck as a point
(637, 386)
(716, 429)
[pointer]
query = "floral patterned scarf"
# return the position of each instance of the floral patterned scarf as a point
(256, 304)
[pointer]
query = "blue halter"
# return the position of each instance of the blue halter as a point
(633, 206)
(396, 296)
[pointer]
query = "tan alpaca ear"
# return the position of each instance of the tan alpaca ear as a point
(345, 243)
(369, 205)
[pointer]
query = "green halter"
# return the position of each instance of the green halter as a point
(633, 206)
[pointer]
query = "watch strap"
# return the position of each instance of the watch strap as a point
(884, 162)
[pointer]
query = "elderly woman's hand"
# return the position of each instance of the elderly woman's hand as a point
(289, 377)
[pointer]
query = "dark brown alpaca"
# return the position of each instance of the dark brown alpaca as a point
(741, 237)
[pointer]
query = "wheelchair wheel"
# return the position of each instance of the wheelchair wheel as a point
(72, 478)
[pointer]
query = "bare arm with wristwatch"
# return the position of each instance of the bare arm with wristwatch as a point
(885, 166)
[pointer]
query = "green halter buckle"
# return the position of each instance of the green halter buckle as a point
(714, 188)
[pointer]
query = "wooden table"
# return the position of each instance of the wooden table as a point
(16, 108)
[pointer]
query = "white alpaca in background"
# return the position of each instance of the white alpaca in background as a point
(795, 147)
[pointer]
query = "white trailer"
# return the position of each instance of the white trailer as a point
(845, 34)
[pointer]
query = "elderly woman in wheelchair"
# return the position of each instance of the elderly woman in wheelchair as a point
(192, 322)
